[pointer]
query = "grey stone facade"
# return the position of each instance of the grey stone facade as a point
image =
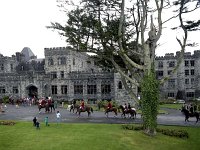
(184, 83)
(63, 74)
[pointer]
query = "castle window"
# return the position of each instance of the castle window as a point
(78, 89)
(192, 81)
(53, 75)
(170, 94)
(192, 71)
(61, 61)
(105, 88)
(160, 73)
(187, 72)
(187, 81)
(11, 67)
(160, 64)
(63, 89)
(169, 72)
(2, 90)
(171, 64)
(62, 74)
(91, 89)
(171, 83)
(192, 62)
(74, 61)
(190, 94)
(2, 67)
(50, 61)
(119, 85)
(15, 90)
(54, 89)
(186, 63)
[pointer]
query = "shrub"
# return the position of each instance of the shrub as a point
(10, 123)
(169, 132)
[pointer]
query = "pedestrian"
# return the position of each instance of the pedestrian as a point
(46, 121)
(37, 125)
(58, 117)
(34, 121)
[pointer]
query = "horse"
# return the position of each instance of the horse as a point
(51, 104)
(131, 111)
(87, 109)
(43, 104)
(107, 110)
(73, 107)
(188, 114)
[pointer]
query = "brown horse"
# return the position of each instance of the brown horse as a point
(43, 104)
(107, 110)
(131, 111)
(87, 109)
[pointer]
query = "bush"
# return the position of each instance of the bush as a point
(169, 132)
(5, 99)
(10, 123)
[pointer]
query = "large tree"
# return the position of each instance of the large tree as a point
(125, 36)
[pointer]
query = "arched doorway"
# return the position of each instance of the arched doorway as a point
(32, 91)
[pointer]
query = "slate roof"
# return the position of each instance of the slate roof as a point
(27, 53)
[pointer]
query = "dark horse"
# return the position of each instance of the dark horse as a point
(73, 107)
(131, 111)
(51, 104)
(85, 109)
(188, 114)
(107, 110)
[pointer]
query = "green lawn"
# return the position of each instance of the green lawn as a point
(174, 106)
(91, 137)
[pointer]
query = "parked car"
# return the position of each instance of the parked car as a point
(198, 99)
(180, 101)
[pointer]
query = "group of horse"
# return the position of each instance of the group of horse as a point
(48, 104)
(115, 110)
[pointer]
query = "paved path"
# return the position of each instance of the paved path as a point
(27, 113)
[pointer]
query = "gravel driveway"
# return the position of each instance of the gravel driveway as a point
(27, 113)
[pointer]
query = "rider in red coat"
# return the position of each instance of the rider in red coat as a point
(82, 104)
(109, 105)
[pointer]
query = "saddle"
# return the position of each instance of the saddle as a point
(82, 108)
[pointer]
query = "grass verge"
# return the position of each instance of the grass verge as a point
(23, 135)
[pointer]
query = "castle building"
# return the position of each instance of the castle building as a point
(66, 75)
(184, 83)
(63, 74)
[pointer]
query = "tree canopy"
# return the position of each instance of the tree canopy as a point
(124, 35)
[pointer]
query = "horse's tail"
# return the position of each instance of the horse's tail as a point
(91, 109)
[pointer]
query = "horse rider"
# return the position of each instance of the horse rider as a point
(82, 106)
(191, 109)
(129, 106)
(74, 103)
(125, 107)
(109, 105)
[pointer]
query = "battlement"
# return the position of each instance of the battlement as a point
(62, 51)
(186, 55)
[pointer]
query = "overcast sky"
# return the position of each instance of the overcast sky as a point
(23, 24)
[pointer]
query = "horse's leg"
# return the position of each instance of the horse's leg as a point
(186, 118)
(88, 113)
(106, 113)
